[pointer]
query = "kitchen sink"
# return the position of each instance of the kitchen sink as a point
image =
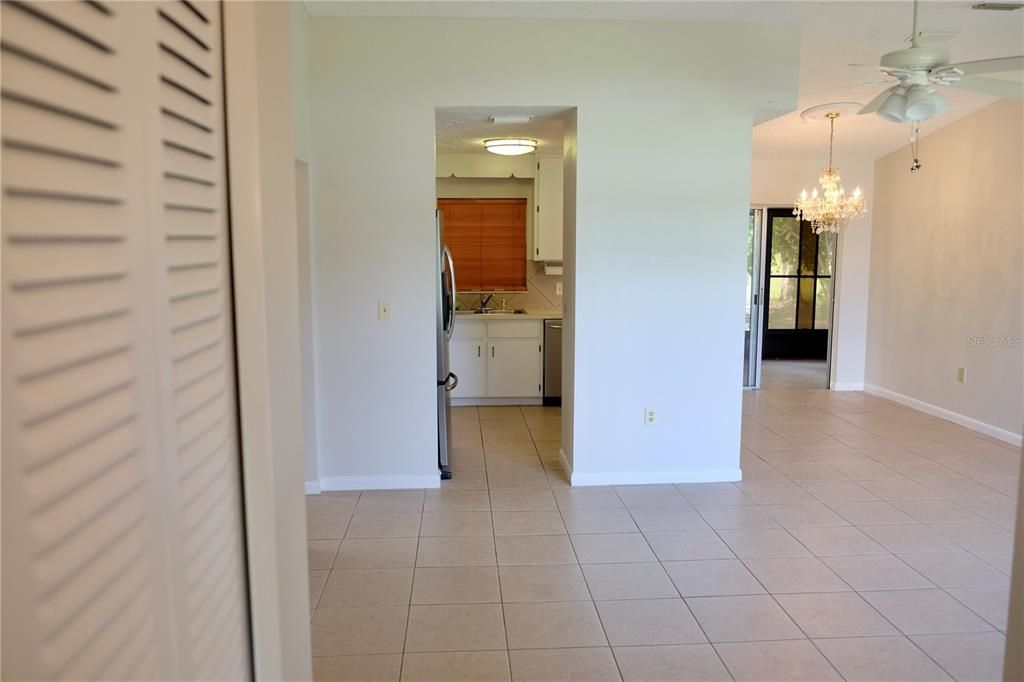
(494, 311)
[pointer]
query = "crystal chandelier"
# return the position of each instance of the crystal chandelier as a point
(830, 209)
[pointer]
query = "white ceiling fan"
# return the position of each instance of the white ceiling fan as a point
(924, 65)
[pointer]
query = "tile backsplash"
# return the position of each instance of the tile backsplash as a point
(539, 294)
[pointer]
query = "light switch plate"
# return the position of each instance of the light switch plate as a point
(558, 288)
(383, 310)
(961, 375)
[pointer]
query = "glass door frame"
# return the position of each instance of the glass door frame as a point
(752, 374)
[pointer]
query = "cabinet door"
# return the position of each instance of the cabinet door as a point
(514, 368)
(468, 361)
(547, 225)
(462, 223)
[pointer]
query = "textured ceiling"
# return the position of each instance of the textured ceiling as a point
(834, 34)
(464, 129)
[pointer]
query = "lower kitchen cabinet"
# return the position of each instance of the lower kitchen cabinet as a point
(497, 359)
(467, 357)
(514, 368)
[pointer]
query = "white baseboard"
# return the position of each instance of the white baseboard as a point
(848, 386)
(566, 464)
(644, 477)
(470, 402)
(379, 482)
(312, 487)
(955, 417)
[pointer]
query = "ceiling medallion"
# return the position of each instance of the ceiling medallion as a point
(830, 209)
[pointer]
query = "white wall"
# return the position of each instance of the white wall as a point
(569, 226)
(947, 258)
(306, 238)
(664, 139)
(266, 284)
(776, 182)
(300, 79)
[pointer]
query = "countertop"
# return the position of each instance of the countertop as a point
(530, 314)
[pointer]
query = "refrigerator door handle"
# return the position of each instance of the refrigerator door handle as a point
(452, 382)
(450, 324)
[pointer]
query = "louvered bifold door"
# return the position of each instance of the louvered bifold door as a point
(123, 553)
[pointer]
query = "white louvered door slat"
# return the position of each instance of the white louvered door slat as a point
(122, 520)
(192, 214)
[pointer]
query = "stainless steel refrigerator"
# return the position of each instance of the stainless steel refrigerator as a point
(446, 379)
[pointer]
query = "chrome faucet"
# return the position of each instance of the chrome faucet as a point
(484, 300)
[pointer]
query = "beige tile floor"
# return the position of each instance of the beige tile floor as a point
(867, 541)
(788, 374)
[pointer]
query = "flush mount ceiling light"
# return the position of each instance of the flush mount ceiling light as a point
(830, 210)
(510, 147)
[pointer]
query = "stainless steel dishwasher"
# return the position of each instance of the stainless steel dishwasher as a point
(552, 362)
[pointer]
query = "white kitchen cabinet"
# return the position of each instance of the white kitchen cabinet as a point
(547, 222)
(514, 368)
(497, 360)
(467, 359)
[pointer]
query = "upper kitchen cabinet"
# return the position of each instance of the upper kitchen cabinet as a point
(487, 238)
(547, 223)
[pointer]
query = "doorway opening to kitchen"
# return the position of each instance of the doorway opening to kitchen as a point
(499, 187)
(789, 302)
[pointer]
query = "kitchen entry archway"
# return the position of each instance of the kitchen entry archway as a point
(789, 301)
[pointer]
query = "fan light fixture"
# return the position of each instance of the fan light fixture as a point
(510, 147)
(831, 209)
(926, 64)
(910, 103)
(894, 108)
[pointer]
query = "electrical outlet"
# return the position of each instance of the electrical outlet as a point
(961, 375)
(558, 288)
(383, 310)
(650, 418)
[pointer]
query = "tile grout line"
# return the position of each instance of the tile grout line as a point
(784, 478)
(494, 544)
(412, 586)
(593, 602)
(776, 601)
(661, 563)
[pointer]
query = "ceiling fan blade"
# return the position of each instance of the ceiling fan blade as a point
(1015, 63)
(991, 86)
(873, 106)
